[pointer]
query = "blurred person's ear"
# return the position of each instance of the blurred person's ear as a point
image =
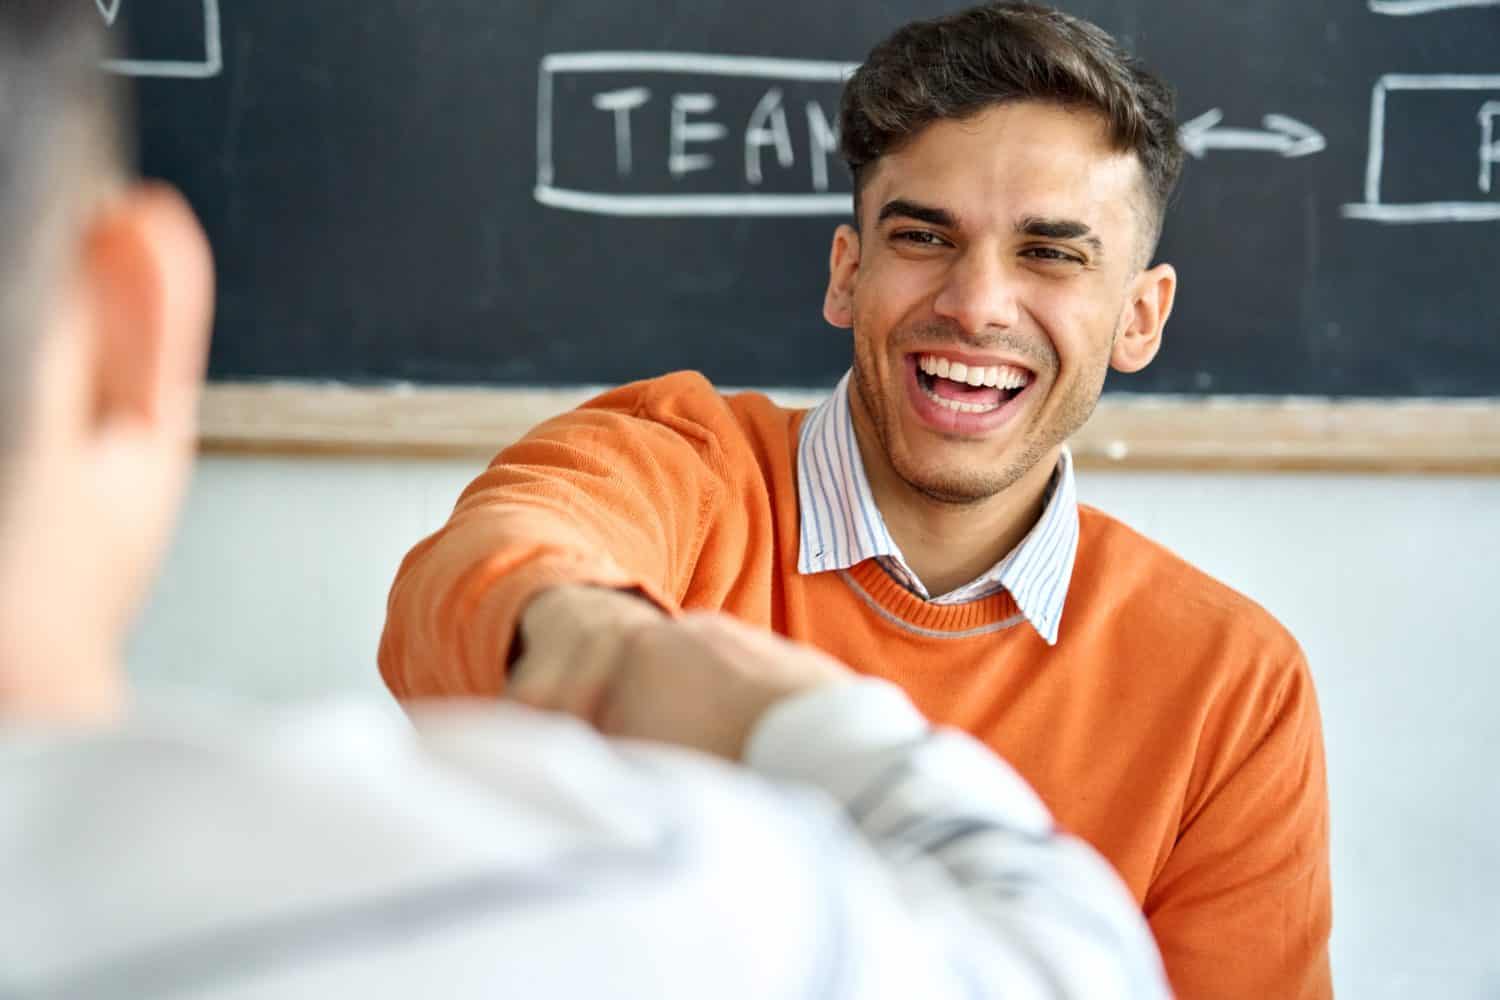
(104, 453)
(145, 304)
(148, 290)
(106, 450)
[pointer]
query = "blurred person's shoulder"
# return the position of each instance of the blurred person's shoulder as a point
(243, 833)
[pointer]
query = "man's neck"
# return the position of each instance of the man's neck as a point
(950, 544)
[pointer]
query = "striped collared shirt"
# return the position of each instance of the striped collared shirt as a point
(842, 526)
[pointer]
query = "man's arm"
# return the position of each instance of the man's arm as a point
(958, 884)
(1243, 906)
(617, 493)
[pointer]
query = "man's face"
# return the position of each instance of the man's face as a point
(996, 262)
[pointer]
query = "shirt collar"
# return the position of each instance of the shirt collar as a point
(840, 525)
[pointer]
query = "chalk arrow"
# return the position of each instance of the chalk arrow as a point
(110, 9)
(1283, 135)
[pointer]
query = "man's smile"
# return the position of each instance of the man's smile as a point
(972, 388)
(955, 397)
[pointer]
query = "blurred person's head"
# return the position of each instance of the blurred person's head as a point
(105, 303)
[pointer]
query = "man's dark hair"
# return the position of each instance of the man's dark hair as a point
(956, 66)
(62, 141)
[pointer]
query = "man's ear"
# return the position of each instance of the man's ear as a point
(148, 284)
(1153, 293)
(843, 265)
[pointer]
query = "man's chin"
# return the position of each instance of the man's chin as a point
(947, 496)
(952, 488)
(966, 478)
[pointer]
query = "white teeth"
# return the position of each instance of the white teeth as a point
(999, 376)
(960, 407)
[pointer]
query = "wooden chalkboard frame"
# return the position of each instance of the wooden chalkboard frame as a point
(1136, 433)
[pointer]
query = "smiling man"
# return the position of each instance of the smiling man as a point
(1012, 168)
(994, 275)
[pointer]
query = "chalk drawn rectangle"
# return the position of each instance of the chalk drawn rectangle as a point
(1408, 8)
(573, 175)
(1462, 200)
(210, 65)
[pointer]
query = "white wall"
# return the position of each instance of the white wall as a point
(276, 588)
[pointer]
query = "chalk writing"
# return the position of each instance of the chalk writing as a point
(767, 127)
(680, 161)
(693, 134)
(824, 139)
(1489, 149)
(194, 67)
(622, 102)
(1405, 8)
(1467, 208)
(1283, 135)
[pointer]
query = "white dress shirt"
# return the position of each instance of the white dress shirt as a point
(490, 850)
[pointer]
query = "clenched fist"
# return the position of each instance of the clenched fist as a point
(617, 662)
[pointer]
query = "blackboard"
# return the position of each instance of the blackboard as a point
(446, 193)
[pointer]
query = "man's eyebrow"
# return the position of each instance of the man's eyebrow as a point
(911, 210)
(1060, 229)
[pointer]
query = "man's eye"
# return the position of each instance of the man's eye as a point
(1052, 254)
(921, 237)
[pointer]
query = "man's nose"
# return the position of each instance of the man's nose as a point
(980, 294)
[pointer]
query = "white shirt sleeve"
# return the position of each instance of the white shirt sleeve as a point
(989, 894)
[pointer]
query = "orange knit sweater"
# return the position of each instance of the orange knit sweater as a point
(1173, 725)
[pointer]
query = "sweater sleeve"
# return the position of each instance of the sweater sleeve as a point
(617, 493)
(1243, 906)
